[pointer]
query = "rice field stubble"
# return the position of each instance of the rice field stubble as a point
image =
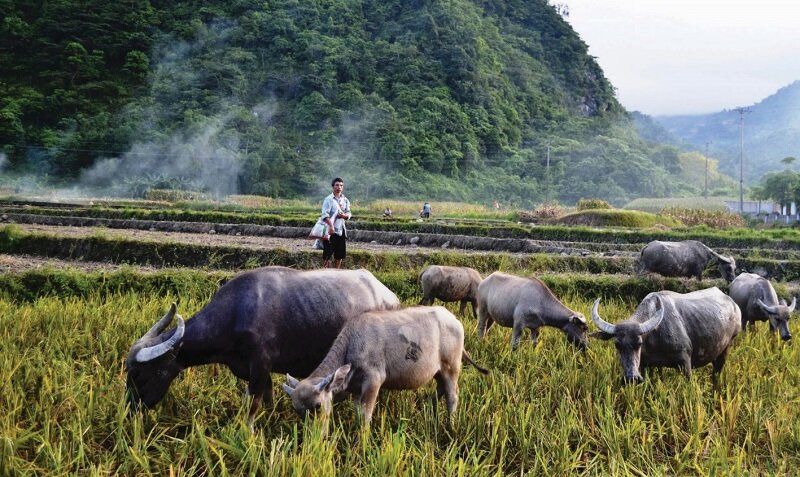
(544, 410)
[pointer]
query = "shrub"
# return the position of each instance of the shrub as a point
(173, 195)
(589, 204)
(711, 218)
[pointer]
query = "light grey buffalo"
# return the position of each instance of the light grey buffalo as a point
(674, 330)
(450, 284)
(519, 303)
(759, 302)
(402, 349)
(271, 319)
(683, 259)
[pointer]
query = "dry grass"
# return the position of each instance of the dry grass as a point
(545, 410)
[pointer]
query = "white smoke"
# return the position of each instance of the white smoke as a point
(204, 153)
(3, 161)
(207, 160)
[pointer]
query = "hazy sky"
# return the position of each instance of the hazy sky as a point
(691, 56)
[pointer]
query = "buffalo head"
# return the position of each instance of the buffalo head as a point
(779, 316)
(151, 363)
(576, 330)
(628, 338)
(727, 267)
(314, 396)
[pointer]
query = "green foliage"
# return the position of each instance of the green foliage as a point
(445, 101)
(10, 235)
(588, 204)
(782, 187)
(617, 218)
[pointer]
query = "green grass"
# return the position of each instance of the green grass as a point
(547, 410)
(617, 218)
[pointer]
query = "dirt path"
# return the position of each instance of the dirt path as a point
(20, 263)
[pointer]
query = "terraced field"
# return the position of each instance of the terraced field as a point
(79, 283)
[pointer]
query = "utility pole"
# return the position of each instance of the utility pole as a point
(547, 176)
(741, 112)
(705, 190)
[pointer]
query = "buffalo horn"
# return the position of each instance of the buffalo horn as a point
(603, 325)
(772, 310)
(794, 302)
(152, 352)
(653, 322)
(161, 324)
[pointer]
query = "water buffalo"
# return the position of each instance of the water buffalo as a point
(271, 319)
(759, 302)
(402, 349)
(520, 303)
(683, 259)
(676, 330)
(450, 284)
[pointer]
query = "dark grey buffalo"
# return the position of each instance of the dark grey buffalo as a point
(271, 319)
(759, 302)
(520, 303)
(683, 259)
(674, 330)
(450, 284)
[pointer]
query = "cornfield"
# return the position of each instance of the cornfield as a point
(718, 219)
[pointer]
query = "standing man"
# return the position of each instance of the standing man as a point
(335, 210)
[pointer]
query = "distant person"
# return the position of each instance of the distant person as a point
(495, 205)
(425, 212)
(387, 213)
(335, 210)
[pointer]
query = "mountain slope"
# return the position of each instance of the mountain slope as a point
(771, 132)
(447, 100)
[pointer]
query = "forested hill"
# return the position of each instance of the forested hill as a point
(771, 133)
(438, 99)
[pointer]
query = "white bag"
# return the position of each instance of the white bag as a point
(319, 231)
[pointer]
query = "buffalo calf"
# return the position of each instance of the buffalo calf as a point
(402, 349)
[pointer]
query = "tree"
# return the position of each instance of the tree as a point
(782, 187)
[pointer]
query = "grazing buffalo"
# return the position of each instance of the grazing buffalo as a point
(759, 302)
(450, 284)
(520, 303)
(402, 349)
(271, 319)
(675, 330)
(683, 259)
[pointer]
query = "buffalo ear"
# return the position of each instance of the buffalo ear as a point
(293, 382)
(289, 390)
(601, 335)
(341, 379)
